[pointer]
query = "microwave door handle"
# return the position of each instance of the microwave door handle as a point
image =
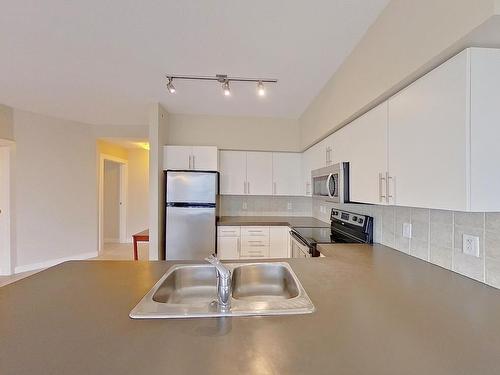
(330, 176)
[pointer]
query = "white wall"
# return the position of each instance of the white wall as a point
(239, 133)
(158, 137)
(138, 191)
(6, 123)
(111, 201)
(55, 189)
(404, 42)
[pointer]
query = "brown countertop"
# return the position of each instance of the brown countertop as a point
(377, 312)
(289, 221)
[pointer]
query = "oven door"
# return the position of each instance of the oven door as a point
(298, 248)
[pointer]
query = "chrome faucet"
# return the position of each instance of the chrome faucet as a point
(223, 283)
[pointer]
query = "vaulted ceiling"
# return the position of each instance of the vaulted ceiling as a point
(103, 62)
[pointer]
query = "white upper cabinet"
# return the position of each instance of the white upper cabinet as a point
(205, 158)
(233, 172)
(428, 139)
(363, 143)
(259, 173)
(306, 188)
(443, 136)
(287, 173)
(200, 158)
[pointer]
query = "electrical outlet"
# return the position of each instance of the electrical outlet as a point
(470, 245)
(289, 205)
(406, 230)
(244, 206)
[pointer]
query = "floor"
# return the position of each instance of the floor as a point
(110, 251)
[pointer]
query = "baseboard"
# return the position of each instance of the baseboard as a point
(53, 262)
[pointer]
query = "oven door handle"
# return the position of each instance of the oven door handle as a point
(298, 239)
(330, 176)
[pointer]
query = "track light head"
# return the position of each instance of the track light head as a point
(261, 91)
(226, 89)
(170, 85)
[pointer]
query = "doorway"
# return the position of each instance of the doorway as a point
(112, 200)
(6, 254)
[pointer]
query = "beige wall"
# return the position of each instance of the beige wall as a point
(55, 189)
(6, 123)
(397, 48)
(239, 133)
(138, 191)
(158, 137)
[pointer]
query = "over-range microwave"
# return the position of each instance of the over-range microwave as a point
(331, 182)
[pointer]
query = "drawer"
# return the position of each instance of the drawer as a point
(254, 251)
(228, 231)
(254, 241)
(255, 232)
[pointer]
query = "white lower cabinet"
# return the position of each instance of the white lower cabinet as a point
(252, 242)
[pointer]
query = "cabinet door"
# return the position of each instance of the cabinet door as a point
(427, 139)
(233, 167)
(363, 143)
(287, 173)
(306, 173)
(318, 155)
(176, 157)
(205, 158)
(278, 242)
(259, 173)
(228, 247)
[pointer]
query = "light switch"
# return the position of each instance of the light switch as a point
(470, 245)
(406, 230)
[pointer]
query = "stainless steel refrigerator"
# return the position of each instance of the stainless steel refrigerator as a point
(191, 214)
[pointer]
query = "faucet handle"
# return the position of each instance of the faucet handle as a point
(221, 269)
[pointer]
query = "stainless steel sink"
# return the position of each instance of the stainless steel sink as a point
(189, 291)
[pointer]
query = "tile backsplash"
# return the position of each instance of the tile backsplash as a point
(252, 205)
(436, 236)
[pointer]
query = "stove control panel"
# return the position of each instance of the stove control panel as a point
(347, 217)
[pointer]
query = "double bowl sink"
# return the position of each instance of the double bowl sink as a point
(190, 290)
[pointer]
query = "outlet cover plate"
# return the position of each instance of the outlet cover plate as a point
(470, 245)
(406, 230)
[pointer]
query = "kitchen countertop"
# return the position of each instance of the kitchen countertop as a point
(378, 311)
(290, 221)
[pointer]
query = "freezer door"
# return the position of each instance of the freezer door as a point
(192, 187)
(190, 233)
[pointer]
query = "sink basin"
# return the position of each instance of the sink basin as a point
(189, 291)
(264, 282)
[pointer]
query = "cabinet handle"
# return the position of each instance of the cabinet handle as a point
(194, 162)
(248, 187)
(380, 179)
(244, 187)
(239, 246)
(189, 162)
(274, 188)
(387, 192)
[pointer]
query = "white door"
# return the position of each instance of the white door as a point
(259, 173)
(205, 158)
(233, 172)
(363, 143)
(287, 173)
(427, 139)
(177, 157)
(278, 242)
(228, 248)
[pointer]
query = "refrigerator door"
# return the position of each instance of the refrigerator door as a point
(190, 232)
(192, 187)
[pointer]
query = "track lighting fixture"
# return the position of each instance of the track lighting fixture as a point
(226, 89)
(260, 89)
(170, 86)
(224, 80)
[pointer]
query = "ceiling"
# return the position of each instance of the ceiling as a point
(103, 62)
